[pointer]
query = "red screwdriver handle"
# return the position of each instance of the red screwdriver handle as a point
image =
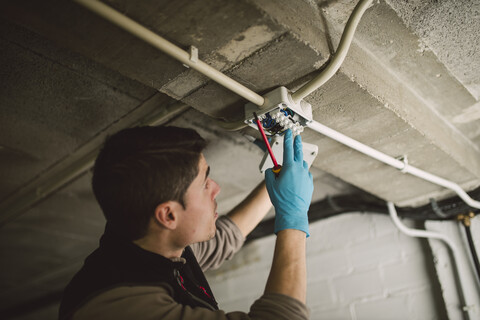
(276, 167)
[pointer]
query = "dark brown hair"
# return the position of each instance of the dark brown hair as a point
(140, 168)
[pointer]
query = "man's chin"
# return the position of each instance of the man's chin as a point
(212, 235)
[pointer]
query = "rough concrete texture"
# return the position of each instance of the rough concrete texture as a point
(172, 20)
(417, 71)
(241, 46)
(52, 102)
(450, 30)
(302, 18)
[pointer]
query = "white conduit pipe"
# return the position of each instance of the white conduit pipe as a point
(468, 304)
(419, 233)
(401, 165)
(339, 55)
(169, 48)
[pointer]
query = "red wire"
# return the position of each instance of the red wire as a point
(260, 128)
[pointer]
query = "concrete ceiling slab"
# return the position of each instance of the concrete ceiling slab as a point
(449, 29)
(52, 102)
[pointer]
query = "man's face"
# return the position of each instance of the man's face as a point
(200, 213)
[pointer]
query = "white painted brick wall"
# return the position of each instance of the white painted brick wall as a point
(359, 267)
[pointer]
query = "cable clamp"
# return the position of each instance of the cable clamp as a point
(193, 54)
(193, 51)
(469, 307)
(332, 203)
(404, 159)
(437, 210)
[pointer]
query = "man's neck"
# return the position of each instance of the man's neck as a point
(157, 245)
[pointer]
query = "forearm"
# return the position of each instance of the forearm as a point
(251, 211)
(288, 273)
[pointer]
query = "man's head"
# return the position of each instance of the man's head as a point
(140, 168)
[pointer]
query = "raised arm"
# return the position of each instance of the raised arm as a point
(291, 194)
(233, 229)
(251, 211)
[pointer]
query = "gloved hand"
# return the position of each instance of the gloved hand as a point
(291, 192)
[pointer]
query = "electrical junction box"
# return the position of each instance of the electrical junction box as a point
(310, 152)
(279, 113)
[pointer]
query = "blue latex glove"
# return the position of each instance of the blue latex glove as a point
(291, 192)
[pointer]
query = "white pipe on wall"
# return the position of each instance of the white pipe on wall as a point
(401, 165)
(339, 55)
(418, 233)
(169, 48)
(467, 297)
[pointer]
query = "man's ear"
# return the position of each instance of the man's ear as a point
(166, 214)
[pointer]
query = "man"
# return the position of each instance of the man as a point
(162, 232)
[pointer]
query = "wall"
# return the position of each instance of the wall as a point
(359, 267)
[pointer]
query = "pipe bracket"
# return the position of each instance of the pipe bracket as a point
(404, 159)
(193, 54)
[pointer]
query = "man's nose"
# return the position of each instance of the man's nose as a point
(216, 189)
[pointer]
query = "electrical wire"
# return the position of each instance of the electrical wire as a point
(339, 55)
(364, 202)
(264, 137)
(473, 251)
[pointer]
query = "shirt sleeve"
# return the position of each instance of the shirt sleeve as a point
(227, 241)
(153, 303)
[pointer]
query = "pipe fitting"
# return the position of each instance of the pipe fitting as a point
(466, 219)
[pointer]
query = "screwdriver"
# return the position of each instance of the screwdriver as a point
(276, 167)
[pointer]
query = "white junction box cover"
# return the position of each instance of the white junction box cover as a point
(310, 152)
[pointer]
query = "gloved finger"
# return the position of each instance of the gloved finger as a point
(287, 148)
(269, 176)
(305, 164)
(298, 149)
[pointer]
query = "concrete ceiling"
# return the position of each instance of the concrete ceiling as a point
(410, 86)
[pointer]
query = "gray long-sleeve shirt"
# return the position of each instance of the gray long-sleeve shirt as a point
(156, 302)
